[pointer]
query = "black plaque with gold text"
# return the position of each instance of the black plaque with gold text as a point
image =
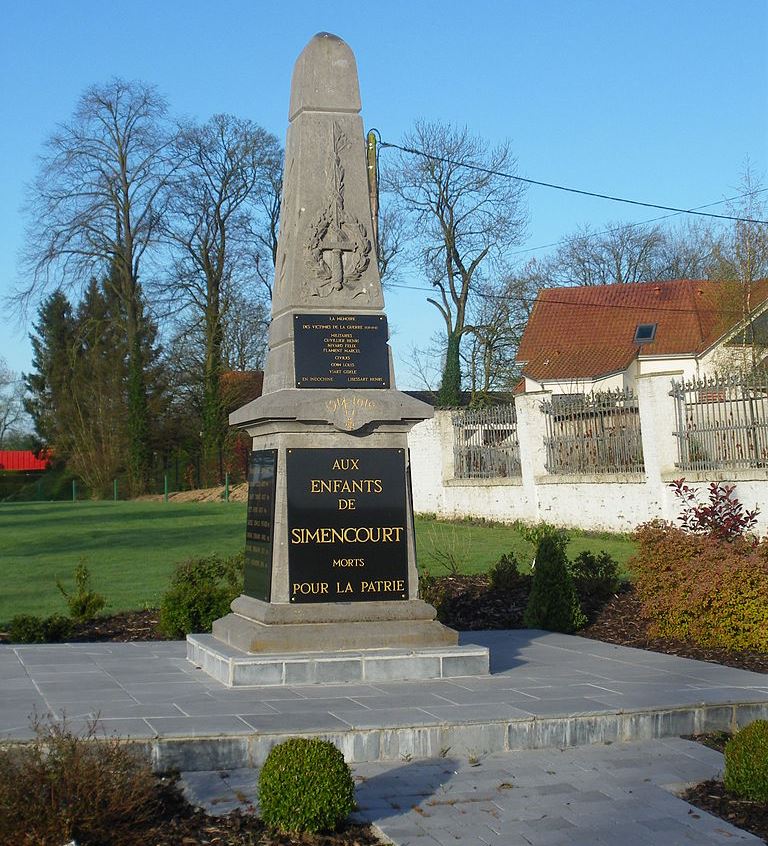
(260, 524)
(341, 350)
(347, 525)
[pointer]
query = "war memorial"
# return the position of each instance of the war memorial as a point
(331, 585)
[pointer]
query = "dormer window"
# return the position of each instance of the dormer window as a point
(645, 332)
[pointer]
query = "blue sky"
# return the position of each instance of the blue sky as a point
(659, 100)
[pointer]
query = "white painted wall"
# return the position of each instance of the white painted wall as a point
(601, 502)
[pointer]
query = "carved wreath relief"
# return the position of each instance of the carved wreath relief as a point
(338, 245)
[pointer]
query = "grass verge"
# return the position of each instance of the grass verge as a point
(131, 548)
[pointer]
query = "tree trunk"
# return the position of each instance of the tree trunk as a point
(450, 385)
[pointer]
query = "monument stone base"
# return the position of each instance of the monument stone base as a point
(236, 668)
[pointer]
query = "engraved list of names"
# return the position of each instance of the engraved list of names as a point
(260, 524)
(341, 351)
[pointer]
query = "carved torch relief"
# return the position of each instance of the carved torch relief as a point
(338, 247)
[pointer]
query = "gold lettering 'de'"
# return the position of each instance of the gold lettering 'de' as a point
(349, 534)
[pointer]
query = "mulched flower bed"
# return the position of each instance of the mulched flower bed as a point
(178, 823)
(712, 797)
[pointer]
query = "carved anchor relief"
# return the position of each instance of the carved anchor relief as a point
(338, 244)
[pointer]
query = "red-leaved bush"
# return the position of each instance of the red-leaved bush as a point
(698, 588)
(723, 517)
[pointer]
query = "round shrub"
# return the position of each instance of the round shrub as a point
(553, 604)
(305, 786)
(746, 762)
(505, 576)
(27, 628)
(596, 579)
(201, 591)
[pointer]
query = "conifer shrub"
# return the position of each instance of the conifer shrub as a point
(553, 604)
(28, 628)
(746, 762)
(201, 591)
(64, 787)
(596, 579)
(504, 576)
(83, 601)
(305, 786)
(701, 589)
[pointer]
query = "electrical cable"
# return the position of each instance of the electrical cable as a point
(693, 211)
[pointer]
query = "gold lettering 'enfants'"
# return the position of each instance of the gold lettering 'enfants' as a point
(345, 486)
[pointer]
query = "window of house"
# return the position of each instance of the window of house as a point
(645, 332)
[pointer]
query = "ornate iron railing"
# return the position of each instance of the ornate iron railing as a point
(722, 421)
(485, 444)
(593, 433)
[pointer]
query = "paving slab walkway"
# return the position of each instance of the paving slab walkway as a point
(545, 691)
(616, 795)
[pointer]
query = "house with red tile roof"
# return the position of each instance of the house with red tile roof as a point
(596, 338)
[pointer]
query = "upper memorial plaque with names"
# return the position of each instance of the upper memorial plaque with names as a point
(341, 351)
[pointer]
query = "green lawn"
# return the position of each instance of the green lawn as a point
(477, 547)
(131, 548)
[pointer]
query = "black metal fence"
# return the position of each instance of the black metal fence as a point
(722, 421)
(485, 444)
(593, 433)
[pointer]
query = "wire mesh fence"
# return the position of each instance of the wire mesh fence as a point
(485, 444)
(722, 421)
(593, 433)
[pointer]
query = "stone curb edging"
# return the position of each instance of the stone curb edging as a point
(406, 743)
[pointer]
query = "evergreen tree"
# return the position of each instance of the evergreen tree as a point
(553, 604)
(48, 387)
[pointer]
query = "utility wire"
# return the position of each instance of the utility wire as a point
(413, 151)
(551, 300)
(638, 223)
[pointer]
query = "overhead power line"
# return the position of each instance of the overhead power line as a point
(424, 154)
(565, 302)
(623, 226)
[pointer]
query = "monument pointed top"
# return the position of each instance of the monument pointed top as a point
(325, 78)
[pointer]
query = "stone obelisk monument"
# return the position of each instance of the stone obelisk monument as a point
(331, 587)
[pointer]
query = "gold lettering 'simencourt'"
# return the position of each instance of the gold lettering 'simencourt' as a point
(349, 534)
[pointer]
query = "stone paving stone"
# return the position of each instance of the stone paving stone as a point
(287, 723)
(467, 807)
(473, 713)
(205, 707)
(203, 726)
(385, 717)
(136, 728)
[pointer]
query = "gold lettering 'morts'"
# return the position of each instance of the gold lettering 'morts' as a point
(348, 534)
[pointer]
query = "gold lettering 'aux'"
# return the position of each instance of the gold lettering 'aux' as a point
(349, 534)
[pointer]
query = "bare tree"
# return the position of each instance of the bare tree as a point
(741, 261)
(468, 217)
(12, 414)
(228, 169)
(95, 207)
(628, 253)
(265, 222)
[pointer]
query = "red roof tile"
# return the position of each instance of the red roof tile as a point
(589, 331)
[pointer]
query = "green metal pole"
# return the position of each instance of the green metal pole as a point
(226, 487)
(165, 487)
(114, 490)
(74, 490)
